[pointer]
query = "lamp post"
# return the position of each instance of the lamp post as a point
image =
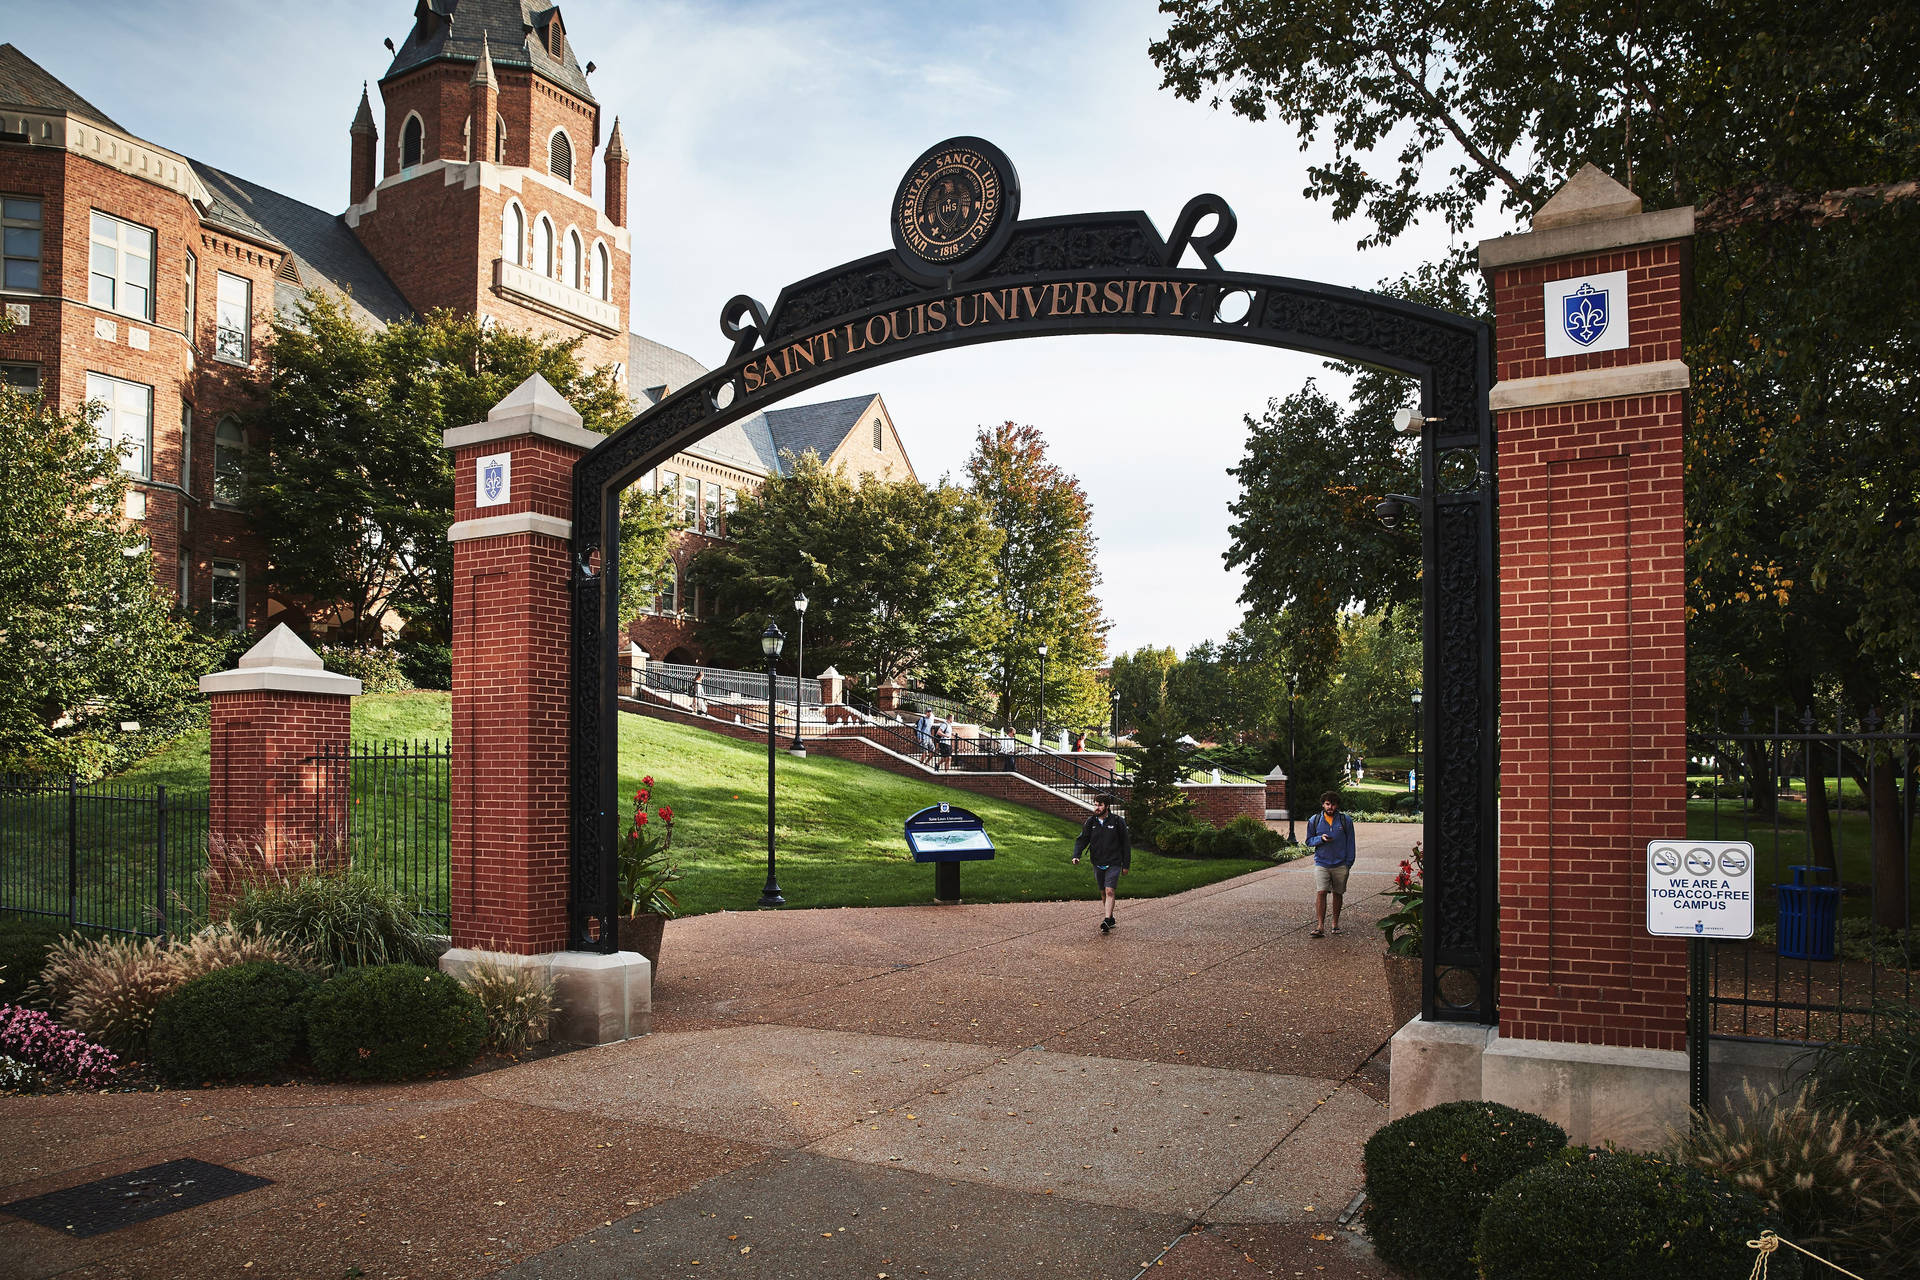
(772, 640)
(799, 748)
(1293, 753)
(1040, 731)
(1113, 713)
(1416, 743)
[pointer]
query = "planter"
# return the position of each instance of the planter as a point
(642, 933)
(1403, 987)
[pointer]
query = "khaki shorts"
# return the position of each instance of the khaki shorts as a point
(1330, 879)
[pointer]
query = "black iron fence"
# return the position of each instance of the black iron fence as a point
(103, 855)
(393, 802)
(1831, 811)
(990, 751)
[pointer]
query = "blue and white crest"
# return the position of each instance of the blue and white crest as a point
(1583, 314)
(493, 480)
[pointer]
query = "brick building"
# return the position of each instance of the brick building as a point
(145, 280)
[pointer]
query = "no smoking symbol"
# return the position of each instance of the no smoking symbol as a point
(1666, 861)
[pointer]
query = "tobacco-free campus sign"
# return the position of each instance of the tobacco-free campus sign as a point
(1700, 888)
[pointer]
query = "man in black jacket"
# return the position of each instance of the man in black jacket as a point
(1107, 843)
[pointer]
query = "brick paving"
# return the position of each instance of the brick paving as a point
(959, 1091)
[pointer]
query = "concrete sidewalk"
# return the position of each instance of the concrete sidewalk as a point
(961, 1091)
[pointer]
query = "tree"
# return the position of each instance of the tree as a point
(1370, 698)
(1044, 577)
(1793, 130)
(898, 576)
(1158, 763)
(1139, 679)
(88, 639)
(353, 490)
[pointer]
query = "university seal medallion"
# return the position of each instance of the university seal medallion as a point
(958, 198)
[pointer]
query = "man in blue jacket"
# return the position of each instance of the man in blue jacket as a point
(1330, 836)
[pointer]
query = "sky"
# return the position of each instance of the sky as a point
(767, 137)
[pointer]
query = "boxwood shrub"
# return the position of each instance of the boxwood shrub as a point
(1243, 837)
(1614, 1213)
(239, 1021)
(1430, 1175)
(392, 1022)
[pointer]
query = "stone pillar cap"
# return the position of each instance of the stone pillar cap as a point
(1591, 195)
(280, 663)
(1278, 775)
(829, 674)
(532, 408)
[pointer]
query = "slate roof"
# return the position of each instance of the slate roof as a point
(819, 427)
(325, 251)
(515, 34)
(26, 83)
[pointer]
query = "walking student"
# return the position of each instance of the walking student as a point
(1330, 836)
(943, 741)
(923, 733)
(1108, 845)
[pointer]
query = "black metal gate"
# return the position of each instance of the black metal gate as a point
(113, 856)
(992, 277)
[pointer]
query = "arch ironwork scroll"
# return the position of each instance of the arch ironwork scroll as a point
(1103, 273)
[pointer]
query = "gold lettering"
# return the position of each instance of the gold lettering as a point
(752, 377)
(1033, 296)
(884, 334)
(1153, 294)
(801, 349)
(998, 301)
(851, 336)
(1110, 301)
(1083, 297)
(1180, 292)
(1061, 292)
(960, 310)
(936, 316)
(1131, 286)
(826, 344)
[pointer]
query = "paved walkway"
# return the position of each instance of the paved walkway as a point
(971, 1091)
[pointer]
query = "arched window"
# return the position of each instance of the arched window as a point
(413, 136)
(602, 272)
(556, 38)
(499, 139)
(513, 235)
(877, 445)
(543, 246)
(560, 155)
(575, 260)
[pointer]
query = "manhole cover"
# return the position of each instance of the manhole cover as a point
(94, 1208)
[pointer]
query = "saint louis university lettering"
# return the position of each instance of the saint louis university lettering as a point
(1063, 300)
(1586, 313)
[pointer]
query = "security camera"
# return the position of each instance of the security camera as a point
(1391, 512)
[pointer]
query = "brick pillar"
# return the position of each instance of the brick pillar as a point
(512, 611)
(833, 687)
(276, 806)
(1591, 398)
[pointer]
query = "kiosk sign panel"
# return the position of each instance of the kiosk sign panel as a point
(1700, 888)
(948, 833)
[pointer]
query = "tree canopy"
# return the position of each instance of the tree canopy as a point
(353, 489)
(1044, 579)
(88, 640)
(898, 577)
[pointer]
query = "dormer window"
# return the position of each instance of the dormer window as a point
(556, 38)
(412, 142)
(560, 156)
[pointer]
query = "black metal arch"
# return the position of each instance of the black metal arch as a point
(1085, 274)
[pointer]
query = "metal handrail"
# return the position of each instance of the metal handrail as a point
(1039, 764)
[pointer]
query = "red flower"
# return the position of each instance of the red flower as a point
(647, 781)
(666, 814)
(639, 820)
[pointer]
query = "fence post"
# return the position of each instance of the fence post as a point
(160, 859)
(73, 851)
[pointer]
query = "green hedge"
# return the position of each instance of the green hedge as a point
(239, 1021)
(378, 670)
(1613, 1213)
(392, 1022)
(1244, 837)
(1431, 1174)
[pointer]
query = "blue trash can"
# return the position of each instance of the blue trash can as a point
(1809, 916)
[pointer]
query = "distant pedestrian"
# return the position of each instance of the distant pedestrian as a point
(943, 742)
(1359, 768)
(699, 693)
(1109, 846)
(1330, 836)
(923, 734)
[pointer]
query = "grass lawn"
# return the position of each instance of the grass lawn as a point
(1777, 847)
(837, 836)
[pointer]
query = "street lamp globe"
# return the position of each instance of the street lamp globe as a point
(800, 603)
(772, 641)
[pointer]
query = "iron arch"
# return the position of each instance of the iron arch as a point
(1103, 273)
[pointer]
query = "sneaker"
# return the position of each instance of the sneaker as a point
(1106, 926)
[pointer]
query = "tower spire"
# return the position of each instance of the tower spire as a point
(483, 69)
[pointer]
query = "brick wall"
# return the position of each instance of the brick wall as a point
(1592, 670)
(273, 810)
(1220, 803)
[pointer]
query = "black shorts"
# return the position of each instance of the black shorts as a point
(1107, 877)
